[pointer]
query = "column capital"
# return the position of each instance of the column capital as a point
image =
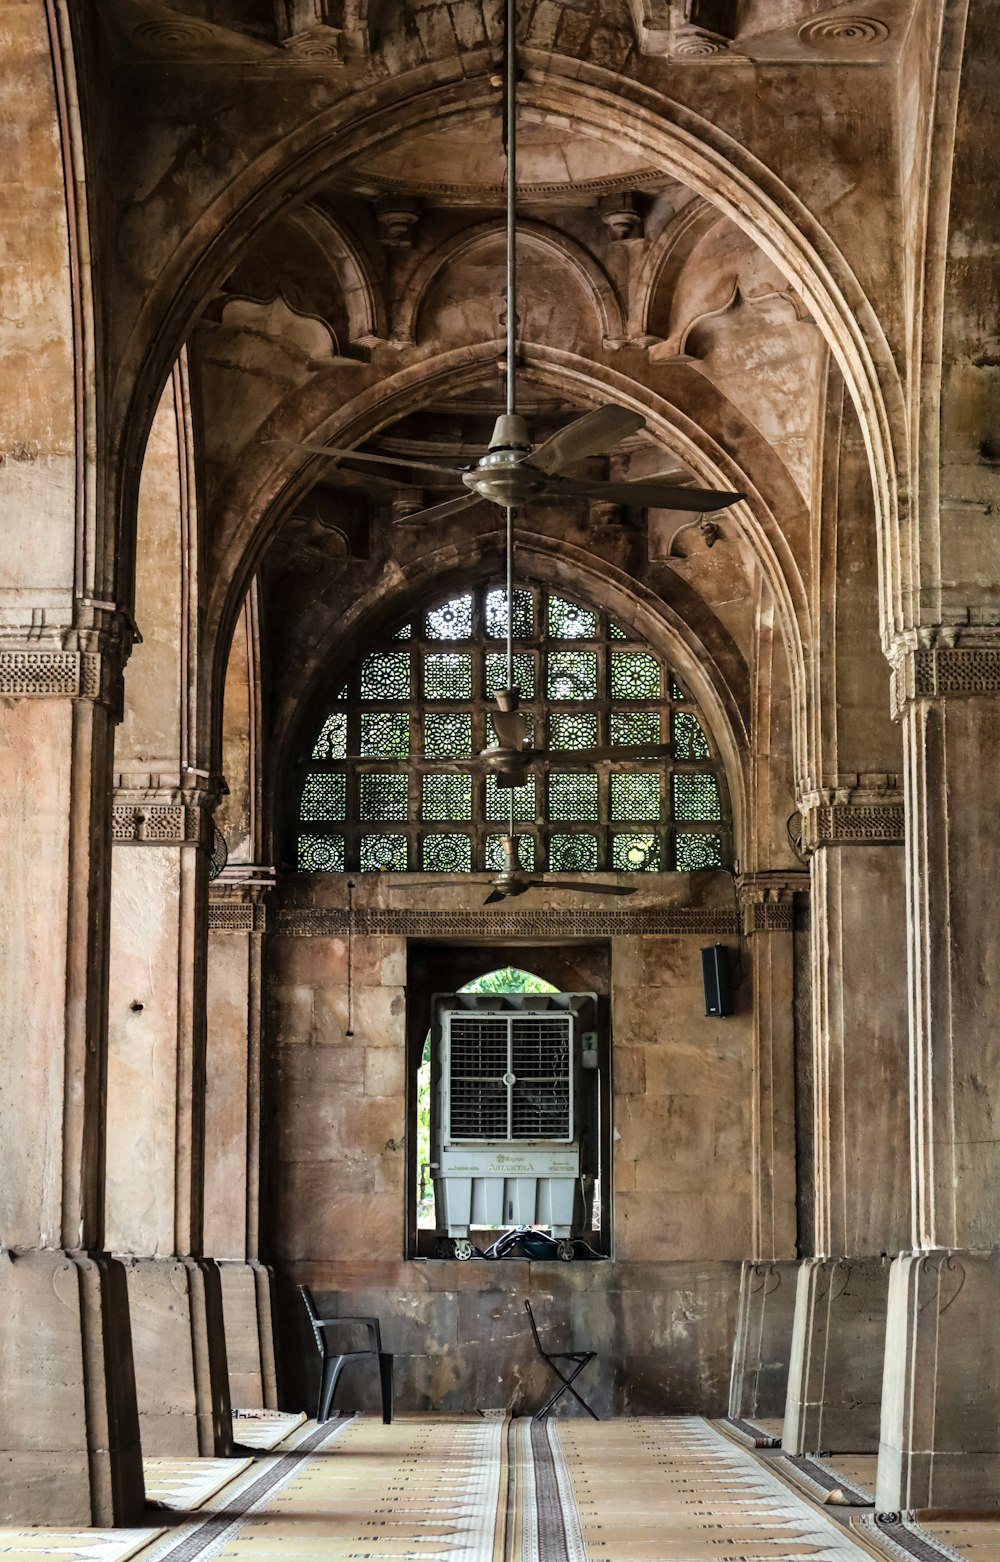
(947, 661)
(157, 809)
(862, 809)
(766, 899)
(237, 899)
(76, 654)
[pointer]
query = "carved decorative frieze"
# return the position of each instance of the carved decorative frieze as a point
(866, 810)
(941, 671)
(233, 916)
(697, 921)
(767, 900)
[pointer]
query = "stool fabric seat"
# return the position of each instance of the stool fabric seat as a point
(335, 1361)
(579, 1359)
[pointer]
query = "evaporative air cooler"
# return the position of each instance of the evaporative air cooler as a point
(514, 1112)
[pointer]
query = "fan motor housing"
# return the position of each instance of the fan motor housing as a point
(513, 1111)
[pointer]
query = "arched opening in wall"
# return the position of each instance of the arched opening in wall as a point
(496, 976)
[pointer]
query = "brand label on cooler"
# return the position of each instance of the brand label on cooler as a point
(509, 1163)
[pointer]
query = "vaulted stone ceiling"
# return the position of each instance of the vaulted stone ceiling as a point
(365, 304)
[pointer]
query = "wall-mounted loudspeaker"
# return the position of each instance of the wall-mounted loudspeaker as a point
(715, 974)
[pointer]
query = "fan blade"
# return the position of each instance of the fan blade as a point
(651, 494)
(592, 435)
(509, 728)
(594, 889)
(374, 482)
(494, 896)
(335, 452)
(589, 756)
(437, 512)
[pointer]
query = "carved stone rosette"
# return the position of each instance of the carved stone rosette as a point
(161, 811)
(954, 665)
(84, 660)
(862, 810)
(767, 900)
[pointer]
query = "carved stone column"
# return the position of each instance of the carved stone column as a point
(156, 1109)
(854, 835)
(69, 1452)
(237, 923)
(767, 912)
(941, 1405)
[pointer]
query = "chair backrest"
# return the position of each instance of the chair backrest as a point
(307, 1298)
(534, 1328)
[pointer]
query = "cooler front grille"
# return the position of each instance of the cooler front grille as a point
(509, 1077)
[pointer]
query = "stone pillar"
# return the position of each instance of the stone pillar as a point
(156, 1111)
(766, 908)
(838, 1340)
(940, 1440)
(237, 921)
(854, 836)
(759, 1383)
(69, 1444)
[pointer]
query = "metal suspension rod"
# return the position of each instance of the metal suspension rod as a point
(510, 645)
(511, 149)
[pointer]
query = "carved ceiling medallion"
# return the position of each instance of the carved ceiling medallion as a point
(843, 32)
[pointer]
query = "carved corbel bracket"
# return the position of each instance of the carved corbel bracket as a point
(237, 899)
(83, 659)
(864, 809)
(767, 899)
(946, 662)
(163, 810)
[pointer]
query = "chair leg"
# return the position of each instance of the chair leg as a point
(332, 1368)
(385, 1381)
(565, 1383)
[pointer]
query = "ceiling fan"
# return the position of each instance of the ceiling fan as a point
(513, 880)
(513, 471)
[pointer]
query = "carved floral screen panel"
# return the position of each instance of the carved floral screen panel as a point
(378, 795)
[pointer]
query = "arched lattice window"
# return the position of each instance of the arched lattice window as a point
(423, 696)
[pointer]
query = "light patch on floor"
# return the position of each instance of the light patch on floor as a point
(184, 1484)
(264, 1429)
(74, 1545)
(650, 1490)
(976, 1539)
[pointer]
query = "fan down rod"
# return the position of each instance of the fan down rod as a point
(511, 150)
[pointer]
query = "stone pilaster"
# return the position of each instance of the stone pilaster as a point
(156, 1138)
(854, 836)
(69, 1448)
(767, 914)
(237, 921)
(762, 1350)
(835, 1373)
(941, 1401)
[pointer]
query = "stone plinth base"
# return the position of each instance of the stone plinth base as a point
(763, 1345)
(181, 1373)
(838, 1344)
(69, 1440)
(247, 1292)
(940, 1438)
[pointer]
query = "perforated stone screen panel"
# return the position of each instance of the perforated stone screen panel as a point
(378, 795)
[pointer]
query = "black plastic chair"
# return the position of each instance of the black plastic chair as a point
(580, 1358)
(334, 1362)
